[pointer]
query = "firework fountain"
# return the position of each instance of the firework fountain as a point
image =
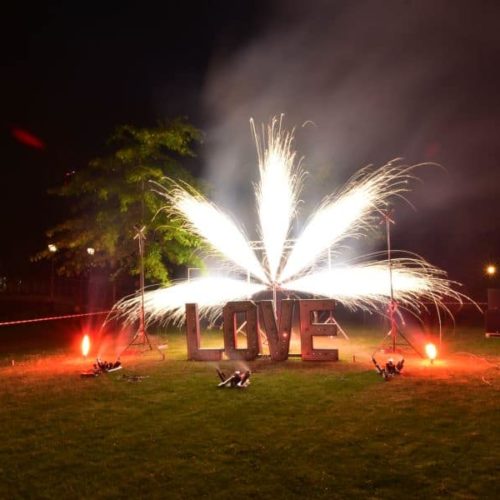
(302, 265)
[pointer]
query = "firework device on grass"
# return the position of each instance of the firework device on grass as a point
(238, 380)
(101, 366)
(390, 369)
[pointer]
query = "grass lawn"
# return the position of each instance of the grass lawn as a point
(301, 430)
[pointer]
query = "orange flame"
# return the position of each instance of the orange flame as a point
(431, 351)
(85, 345)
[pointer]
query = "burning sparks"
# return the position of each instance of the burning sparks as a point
(210, 293)
(277, 192)
(366, 285)
(342, 215)
(346, 214)
(85, 345)
(205, 219)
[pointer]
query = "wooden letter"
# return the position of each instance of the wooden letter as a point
(231, 309)
(308, 330)
(193, 338)
(278, 336)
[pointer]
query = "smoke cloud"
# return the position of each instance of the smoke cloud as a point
(364, 82)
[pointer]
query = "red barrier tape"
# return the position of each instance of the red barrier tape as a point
(68, 316)
(51, 318)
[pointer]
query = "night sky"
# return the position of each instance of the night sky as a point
(373, 80)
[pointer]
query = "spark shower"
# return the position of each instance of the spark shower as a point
(304, 265)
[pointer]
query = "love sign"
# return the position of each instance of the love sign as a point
(277, 328)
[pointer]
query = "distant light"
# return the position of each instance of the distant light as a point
(491, 270)
(52, 248)
(431, 351)
(85, 345)
(91, 251)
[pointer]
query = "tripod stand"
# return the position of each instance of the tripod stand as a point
(394, 332)
(141, 338)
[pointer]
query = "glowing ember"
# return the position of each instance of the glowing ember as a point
(85, 345)
(301, 266)
(431, 351)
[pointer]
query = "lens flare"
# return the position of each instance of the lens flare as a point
(85, 345)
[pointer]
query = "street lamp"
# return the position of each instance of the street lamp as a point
(52, 249)
(90, 253)
(491, 270)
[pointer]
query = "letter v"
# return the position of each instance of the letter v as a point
(278, 336)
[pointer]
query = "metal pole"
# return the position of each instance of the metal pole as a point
(394, 332)
(52, 279)
(141, 337)
(141, 238)
(330, 315)
(141, 253)
(388, 233)
(392, 304)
